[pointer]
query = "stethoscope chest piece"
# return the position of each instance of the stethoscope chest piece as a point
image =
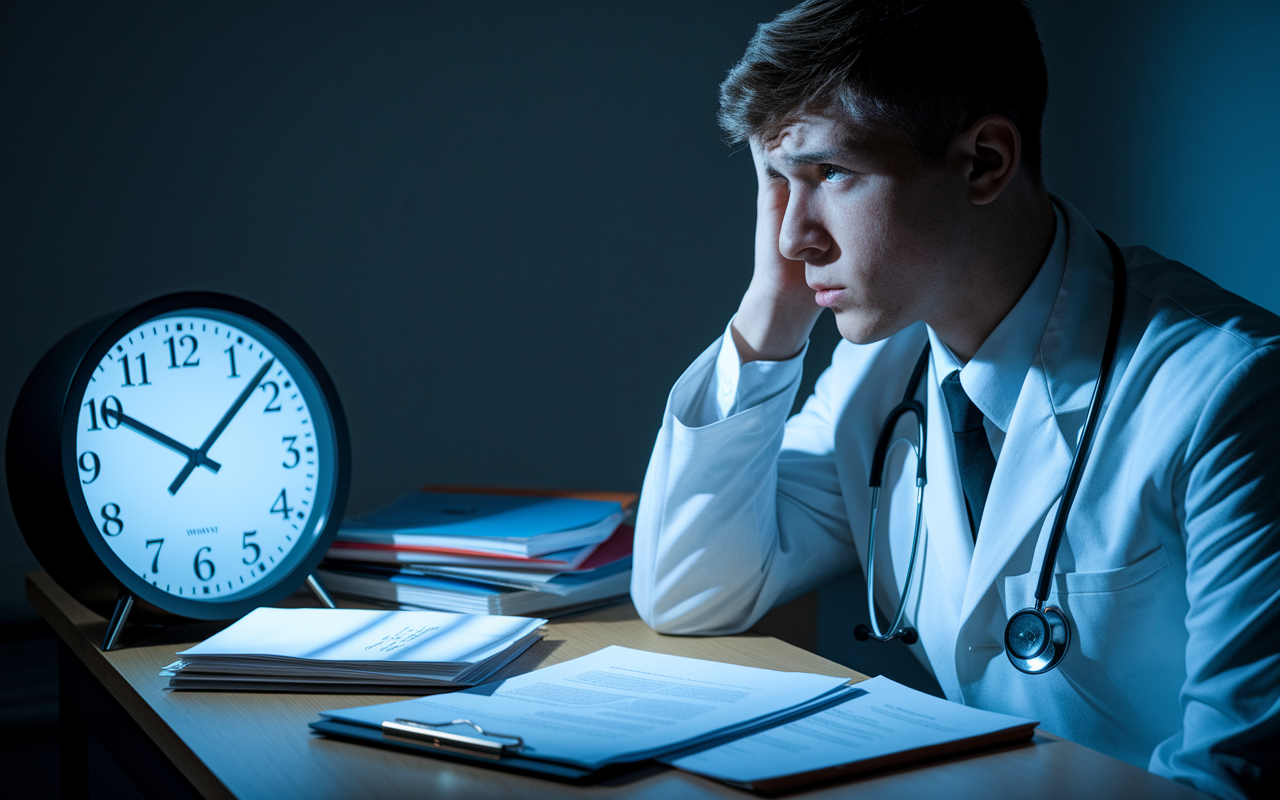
(1036, 641)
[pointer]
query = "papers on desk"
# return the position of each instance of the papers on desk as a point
(458, 552)
(885, 725)
(616, 705)
(353, 650)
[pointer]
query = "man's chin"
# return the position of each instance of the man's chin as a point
(862, 329)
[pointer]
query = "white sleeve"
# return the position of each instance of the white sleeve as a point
(719, 537)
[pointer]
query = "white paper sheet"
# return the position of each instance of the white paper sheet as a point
(888, 718)
(360, 635)
(617, 704)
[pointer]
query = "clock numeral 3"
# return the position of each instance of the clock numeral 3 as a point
(291, 450)
(246, 544)
(106, 418)
(111, 519)
(281, 505)
(173, 355)
(92, 464)
(272, 405)
(201, 564)
(155, 561)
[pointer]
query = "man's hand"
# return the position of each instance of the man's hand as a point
(778, 311)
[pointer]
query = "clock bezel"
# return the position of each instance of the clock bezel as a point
(275, 585)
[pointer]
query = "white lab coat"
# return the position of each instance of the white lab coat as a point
(1169, 571)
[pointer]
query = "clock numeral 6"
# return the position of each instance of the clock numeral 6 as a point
(155, 561)
(106, 417)
(201, 564)
(281, 505)
(246, 544)
(111, 519)
(89, 463)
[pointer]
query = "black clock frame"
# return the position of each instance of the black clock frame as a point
(44, 479)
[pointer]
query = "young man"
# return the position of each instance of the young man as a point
(896, 147)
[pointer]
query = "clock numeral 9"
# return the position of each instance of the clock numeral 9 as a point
(246, 544)
(111, 519)
(201, 564)
(89, 463)
(272, 404)
(281, 505)
(291, 450)
(173, 355)
(155, 561)
(106, 417)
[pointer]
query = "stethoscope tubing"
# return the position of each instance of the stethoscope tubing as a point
(1055, 619)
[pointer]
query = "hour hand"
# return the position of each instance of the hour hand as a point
(193, 456)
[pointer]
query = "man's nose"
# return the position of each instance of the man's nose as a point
(802, 236)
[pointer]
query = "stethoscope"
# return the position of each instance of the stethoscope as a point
(1036, 638)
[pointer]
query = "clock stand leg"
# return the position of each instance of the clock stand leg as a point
(313, 583)
(118, 619)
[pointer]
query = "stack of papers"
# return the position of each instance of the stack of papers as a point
(617, 705)
(484, 554)
(328, 650)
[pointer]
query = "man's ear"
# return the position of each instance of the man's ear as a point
(990, 151)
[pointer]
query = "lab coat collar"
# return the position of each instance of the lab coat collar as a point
(1036, 456)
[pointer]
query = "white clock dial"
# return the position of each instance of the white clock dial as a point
(205, 454)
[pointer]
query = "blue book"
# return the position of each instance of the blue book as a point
(491, 523)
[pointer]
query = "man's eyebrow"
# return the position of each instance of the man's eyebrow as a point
(818, 156)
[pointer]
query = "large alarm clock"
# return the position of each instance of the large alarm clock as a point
(189, 452)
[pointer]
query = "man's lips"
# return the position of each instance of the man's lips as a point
(826, 296)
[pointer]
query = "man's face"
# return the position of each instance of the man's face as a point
(880, 230)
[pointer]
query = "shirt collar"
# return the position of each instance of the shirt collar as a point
(993, 377)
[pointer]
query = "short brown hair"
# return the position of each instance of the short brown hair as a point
(930, 68)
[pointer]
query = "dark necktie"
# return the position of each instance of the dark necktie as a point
(973, 451)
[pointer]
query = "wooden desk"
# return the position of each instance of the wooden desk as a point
(223, 745)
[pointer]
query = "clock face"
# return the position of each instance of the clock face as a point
(205, 457)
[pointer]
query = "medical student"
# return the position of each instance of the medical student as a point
(897, 152)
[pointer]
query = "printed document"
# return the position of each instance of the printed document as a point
(619, 705)
(882, 719)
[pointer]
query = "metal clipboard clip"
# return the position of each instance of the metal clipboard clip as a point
(429, 734)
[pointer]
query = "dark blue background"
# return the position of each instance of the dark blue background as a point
(506, 227)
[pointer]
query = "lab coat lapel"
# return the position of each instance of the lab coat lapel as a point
(1043, 432)
(1028, 481)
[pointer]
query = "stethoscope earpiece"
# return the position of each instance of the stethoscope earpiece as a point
(907, 635)
(1036, 641)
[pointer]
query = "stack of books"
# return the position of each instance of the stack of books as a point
(484, 554)
(328, 650)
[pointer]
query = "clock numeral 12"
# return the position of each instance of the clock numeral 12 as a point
(173, 355)
(155, 561)
(111, 519)
(142, 362)
(200, 564)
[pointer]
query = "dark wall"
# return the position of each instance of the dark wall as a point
(506, 227)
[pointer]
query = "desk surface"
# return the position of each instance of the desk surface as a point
(258, 745)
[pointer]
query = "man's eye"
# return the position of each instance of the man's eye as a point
(833, 174)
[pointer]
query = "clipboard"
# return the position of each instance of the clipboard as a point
(483, 749)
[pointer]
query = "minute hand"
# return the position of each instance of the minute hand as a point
(219, 428)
